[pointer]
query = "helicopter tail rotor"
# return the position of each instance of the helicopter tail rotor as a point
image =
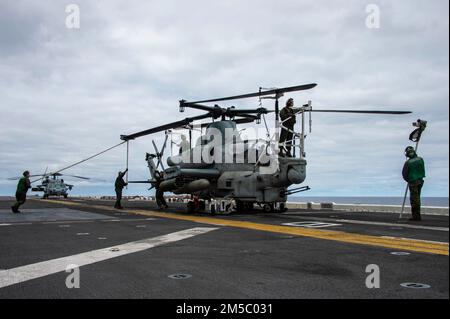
(159, 154)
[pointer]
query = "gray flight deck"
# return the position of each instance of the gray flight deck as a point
(224, 256)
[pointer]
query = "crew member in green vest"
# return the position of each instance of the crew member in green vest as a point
(414, 172)
(21, 193)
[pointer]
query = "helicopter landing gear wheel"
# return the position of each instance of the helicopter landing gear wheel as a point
(243, 207)
(240, 206)
(283, 208)
(229, 209)
(190, 207)
(196, 206)
(268, 208)
(248, 206)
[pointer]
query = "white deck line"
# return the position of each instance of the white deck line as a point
(20, 274)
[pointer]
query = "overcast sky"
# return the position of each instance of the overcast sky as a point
(68, 93)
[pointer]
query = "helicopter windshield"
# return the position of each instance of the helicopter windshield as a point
(224, 130)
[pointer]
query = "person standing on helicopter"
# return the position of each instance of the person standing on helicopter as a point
(287, 116)
(184, 145)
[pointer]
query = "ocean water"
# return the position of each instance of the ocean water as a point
(426, 201)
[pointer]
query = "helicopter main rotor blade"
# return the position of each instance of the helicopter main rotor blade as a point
(81, 177)
(155, 147)
(19, 177)
(161, 154)
(248, 116)
(59, 174)
(158, 155)
(262, 93)
(249, 119)
(217, 111)
(363, 111)
(42, 176)
(245, 112)
(164, 145)
(244, 120)
(198, 106)
(164, 127)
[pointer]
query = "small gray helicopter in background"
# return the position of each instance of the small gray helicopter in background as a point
(246, 182)
(52, 184)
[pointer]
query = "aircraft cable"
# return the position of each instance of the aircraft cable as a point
(128, 155)
(263, 115)
(267, 128)
(84, 160)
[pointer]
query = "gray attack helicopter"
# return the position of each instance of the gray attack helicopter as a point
(52, 184)
(223, 165)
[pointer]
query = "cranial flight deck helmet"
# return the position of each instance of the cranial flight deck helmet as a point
(409, 150)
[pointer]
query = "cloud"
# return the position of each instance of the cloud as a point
(66, 94)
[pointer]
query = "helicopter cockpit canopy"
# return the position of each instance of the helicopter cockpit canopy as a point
(224, 130)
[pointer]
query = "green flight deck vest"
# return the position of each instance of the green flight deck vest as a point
(414, 169)
(23, 185)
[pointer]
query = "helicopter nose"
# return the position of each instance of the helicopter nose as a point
(294, 176)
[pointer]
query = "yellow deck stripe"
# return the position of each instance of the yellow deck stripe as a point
(396, 243)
